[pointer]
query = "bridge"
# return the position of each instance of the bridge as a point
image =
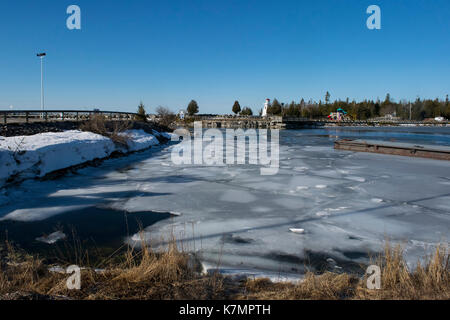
(27, 116)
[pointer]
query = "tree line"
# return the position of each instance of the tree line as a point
(363, 110)
(419, 109)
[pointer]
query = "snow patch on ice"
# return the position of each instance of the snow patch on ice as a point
(358, 179)
(240, 196)
(39, 214)
(52, 238)
(300, 169)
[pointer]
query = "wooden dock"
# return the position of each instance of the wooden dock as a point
(395, 148)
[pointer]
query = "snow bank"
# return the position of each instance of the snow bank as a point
(139, 140)
(40, 154)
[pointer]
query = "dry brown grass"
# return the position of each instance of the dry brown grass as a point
(428, 281)
(169, 274)
(98, 123)
(328, 286)
(142, 274)
(19, 270)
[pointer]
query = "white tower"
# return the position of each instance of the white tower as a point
(266, 106)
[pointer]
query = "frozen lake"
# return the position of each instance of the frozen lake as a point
(347, 203)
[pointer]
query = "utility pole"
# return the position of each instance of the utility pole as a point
(41, 56)
(410, 111)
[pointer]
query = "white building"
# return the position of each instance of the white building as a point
(439, 119)
(266, 106)
(181, 114)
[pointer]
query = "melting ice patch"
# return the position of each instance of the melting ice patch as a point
(39, 214)
(52, 238)
(240, 196)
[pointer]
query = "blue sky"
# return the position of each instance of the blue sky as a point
(168, 52)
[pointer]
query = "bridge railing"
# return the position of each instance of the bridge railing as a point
(27, 116)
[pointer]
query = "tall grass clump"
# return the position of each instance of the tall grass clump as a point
(429, 280)
(114, 130)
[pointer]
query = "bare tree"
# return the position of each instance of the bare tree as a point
(165, 115)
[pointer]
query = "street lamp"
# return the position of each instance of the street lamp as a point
(41, 56)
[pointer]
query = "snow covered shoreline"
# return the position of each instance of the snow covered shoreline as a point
(23, 157)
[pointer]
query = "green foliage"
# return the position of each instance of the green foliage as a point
(236, 107)
(192, 108)
(275, 108)
(141, 114)
(327, 97)
(292, 110)
(246, 111)
(364, 110)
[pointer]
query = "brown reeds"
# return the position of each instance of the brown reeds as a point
(168, 274)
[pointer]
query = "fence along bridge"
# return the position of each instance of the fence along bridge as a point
(27, 116)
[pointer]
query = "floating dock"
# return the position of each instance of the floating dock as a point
(395, 148)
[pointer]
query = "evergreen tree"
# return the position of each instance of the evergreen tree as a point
(376, 109)
(363, 112)
(302, 103)
(236, 107)
(192, 108)
(247, 111)
(275, 108)
(327, 97)
(292, 110)
(141, 114)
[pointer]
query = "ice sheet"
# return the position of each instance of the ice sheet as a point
(347, 203)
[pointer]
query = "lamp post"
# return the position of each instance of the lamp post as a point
(41, 56)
